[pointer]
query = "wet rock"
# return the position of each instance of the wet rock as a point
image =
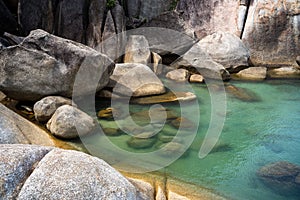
(106, 113)
(183, 123)
(284, 72)
(226, 49)
(171, 148)
(7, 20)
(70, 175)
(157, 114)
(281, 176)
(179, 75)
(96, 19)
(69, 122)
(272, 27)
(137, 50)
(16, 164)
(112, 131)
(196, 78)
(136, 80)
(45, 108)
(43, 17)
(242, 93)
(198, 59)
(166, 98)
(24, 71)
(72, 20)
(141, 143)
(16, 129)
(252, 73)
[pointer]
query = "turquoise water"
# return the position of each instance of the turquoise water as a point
(255, 133)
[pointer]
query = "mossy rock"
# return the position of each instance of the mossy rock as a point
(141, 143)
(112, 131)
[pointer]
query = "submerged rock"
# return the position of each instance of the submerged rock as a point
(141, 143)
(69, 122)
(183, 123)
(242, 93)
(112, 131)
(252, 73)
(136, 80)
(172, 148)
(226, 49)
(70, 175)
(45, 108)
(281, 176)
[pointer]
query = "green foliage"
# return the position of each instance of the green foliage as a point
(110, 4)
(173, 5)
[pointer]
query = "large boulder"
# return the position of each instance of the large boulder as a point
(226, 49)
(137, 50)
(69, 122)
(272, 32)
(7, 20)
(136, 80)
(16, 164)
(16, 129)
(30, 74)
(207, 17)
(281, 176)
(72, 175)
(46, 107)
(201, 62)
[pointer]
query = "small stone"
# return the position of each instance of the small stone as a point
(112, 131)
(252, 73)
(196, 78)
(69, 122)
(179, 75)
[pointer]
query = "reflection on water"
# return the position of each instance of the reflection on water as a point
(255, 133)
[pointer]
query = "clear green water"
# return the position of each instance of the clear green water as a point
(254, 134)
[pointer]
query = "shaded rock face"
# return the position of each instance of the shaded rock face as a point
(16, 129)
(16, 164)
(7, 20)
(45, 108)
(29, 74)
(207, 17)
(272, 32)
(281, 176)
(73, 175)
(136, 80)
(226, 49)
(69, 122)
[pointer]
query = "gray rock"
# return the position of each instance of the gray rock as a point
(137, 50)
(16, 129)
(157, 66)
(45, 108)
(109, 38)
(28, 74)
(72, 20)
(226, 49)
(7, 20)
(202, 62)
(252, 73)
(281, 176)
(43, 17)
(196, 78)
(283, 72)
(16, 164)
(136, 80)
(69, 122)
(145, 191)
(179, 75)
(96, 19)
(72, 175)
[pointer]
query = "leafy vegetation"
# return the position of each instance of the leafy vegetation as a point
(173, 5)
(110, 4)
